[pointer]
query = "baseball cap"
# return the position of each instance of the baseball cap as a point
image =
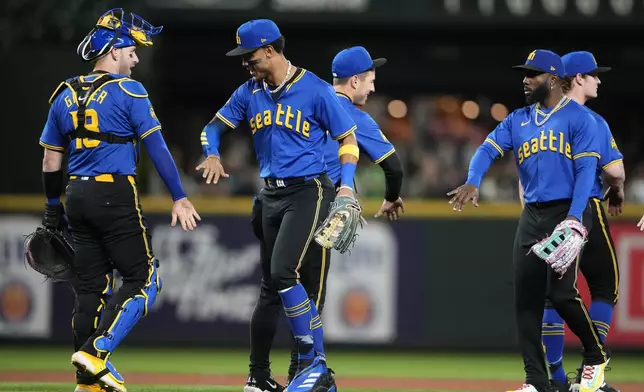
(254, 34)
(546, 61)
(353, 61)
(581, 62)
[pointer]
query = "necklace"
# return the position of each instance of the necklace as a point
(278, 88)
(547, 116)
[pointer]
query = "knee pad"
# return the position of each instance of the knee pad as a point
(131, 310)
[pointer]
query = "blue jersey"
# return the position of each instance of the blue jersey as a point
(289, 133)
(370, 138)
(545, 151)
(608, 150)
(120, 107)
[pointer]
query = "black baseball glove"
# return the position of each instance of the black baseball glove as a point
(49, 253)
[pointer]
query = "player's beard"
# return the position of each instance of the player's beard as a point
(539, 94)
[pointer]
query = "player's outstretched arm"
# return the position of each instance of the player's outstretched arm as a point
(182, 210)
(615, 176)
(393, 205)
(211, 166)
(585, 156)
(349, 154)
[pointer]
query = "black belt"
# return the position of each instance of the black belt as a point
(272, 182)
(549, 203)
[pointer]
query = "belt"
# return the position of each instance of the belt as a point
(101, 178)
(549, 203)
(284, 182)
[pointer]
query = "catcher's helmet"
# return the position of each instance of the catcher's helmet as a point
(113, 31)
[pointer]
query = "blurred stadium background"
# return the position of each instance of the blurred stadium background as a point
(431, 293)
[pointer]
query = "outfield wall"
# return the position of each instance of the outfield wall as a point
(436, 279)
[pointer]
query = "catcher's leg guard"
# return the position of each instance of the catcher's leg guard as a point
(130, 311)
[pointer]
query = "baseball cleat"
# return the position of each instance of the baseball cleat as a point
(556, 386)
(607, 388)
(260, 382)
(525, 388)
(314, 378)
(102, 369)
(89, 388)
(592, 377)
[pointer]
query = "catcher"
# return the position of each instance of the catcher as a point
(354, 76)
(100, 119)
(289, 110)
(557, 153)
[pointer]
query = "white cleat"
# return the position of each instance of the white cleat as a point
(592, 377)
(525, 388)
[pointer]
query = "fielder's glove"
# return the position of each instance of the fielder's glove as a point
(49, 253)
(338, 231)
(563, 246)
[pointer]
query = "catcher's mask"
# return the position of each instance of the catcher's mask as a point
(113, 31)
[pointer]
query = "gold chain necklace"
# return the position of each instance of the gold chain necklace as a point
(278, 88)
(547, 116)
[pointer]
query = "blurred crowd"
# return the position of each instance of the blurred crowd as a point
(435, 137)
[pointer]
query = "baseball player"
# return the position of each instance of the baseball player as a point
(100, 119)
(288, 110)
(599, 262)
(354, 78)
(556, 154)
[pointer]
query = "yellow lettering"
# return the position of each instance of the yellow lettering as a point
(297, 121)
(561, 143)
(305, 128)
(289, 115)
(542, 141)
(535, 145)
(520, 152)
(278, 121)
(258, 121)
(68, 101)
(552, 139)
(102, 96)
(268, 118)
(568, 151)
(252, 125)
(531, 55)
(526, 150)
(91, 124)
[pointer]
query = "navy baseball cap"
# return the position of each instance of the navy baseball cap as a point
(353, 61)
(545, 61)
(581, 63)
(253, 35)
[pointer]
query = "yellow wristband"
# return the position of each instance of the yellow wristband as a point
(350, 149)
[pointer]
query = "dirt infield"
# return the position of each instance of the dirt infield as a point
(343, 382)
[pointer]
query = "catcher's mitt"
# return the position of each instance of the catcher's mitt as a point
(563, 246)
(49, 253)
(338, 231)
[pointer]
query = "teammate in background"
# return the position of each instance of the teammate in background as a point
(598, 262)
(289, 110)
(99, 119)
(556, 152)
(354, 79)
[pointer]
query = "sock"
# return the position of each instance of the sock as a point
(602, 314)
(318, 332)
(297, 307)
(552, 330)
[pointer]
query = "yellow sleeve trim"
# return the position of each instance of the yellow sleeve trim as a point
(586, 154)
(347, 133)
(150, 131)
(611, 163)
(225, 120)
(382, 158)
(496, 146)
(51, 147)
(128, 92)
(350, 149)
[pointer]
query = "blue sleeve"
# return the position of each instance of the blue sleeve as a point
(52, 138)
(610, 154)
(164, 163)
(142, 117)
(494, 146)
(211, 135)
(585, 149)
(372, 141)
(234, 110)
(329, 111)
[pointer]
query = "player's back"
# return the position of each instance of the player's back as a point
(111, 109)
